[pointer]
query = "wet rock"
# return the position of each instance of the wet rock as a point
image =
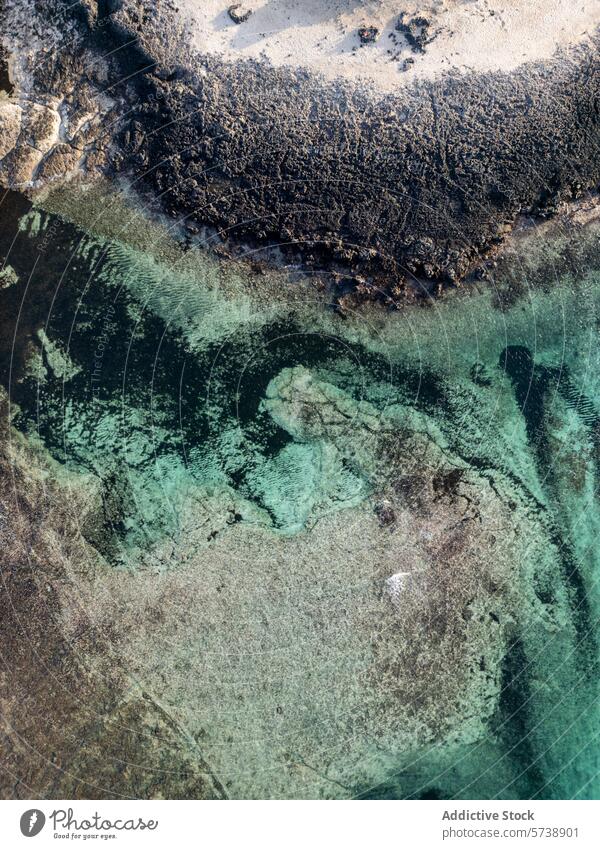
(5, 83)
(8, 277)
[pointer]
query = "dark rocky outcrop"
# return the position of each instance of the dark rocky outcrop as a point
(239, 14)
(416, 186)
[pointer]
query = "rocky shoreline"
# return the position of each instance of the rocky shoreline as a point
(404, 191)
(438, 547)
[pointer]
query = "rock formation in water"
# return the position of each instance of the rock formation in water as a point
(253, 546)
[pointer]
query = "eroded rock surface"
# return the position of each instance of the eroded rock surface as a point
(412, 186)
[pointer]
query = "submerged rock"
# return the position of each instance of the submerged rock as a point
(291, 530)
(252, 546)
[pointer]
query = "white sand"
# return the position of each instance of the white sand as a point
(322, 34)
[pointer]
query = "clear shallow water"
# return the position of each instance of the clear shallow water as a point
(197, 409)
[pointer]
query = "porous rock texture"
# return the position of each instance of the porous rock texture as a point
(412, 187)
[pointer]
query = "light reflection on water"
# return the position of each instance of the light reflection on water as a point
(172, 393)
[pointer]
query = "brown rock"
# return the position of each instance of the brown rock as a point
(40, 127)
(19, 166)
(61, 160)
(10, 126)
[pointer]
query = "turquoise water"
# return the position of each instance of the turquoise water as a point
(196, 407)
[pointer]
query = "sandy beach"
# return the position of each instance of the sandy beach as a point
(323, 35)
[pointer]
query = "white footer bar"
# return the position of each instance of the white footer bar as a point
(300, 824)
